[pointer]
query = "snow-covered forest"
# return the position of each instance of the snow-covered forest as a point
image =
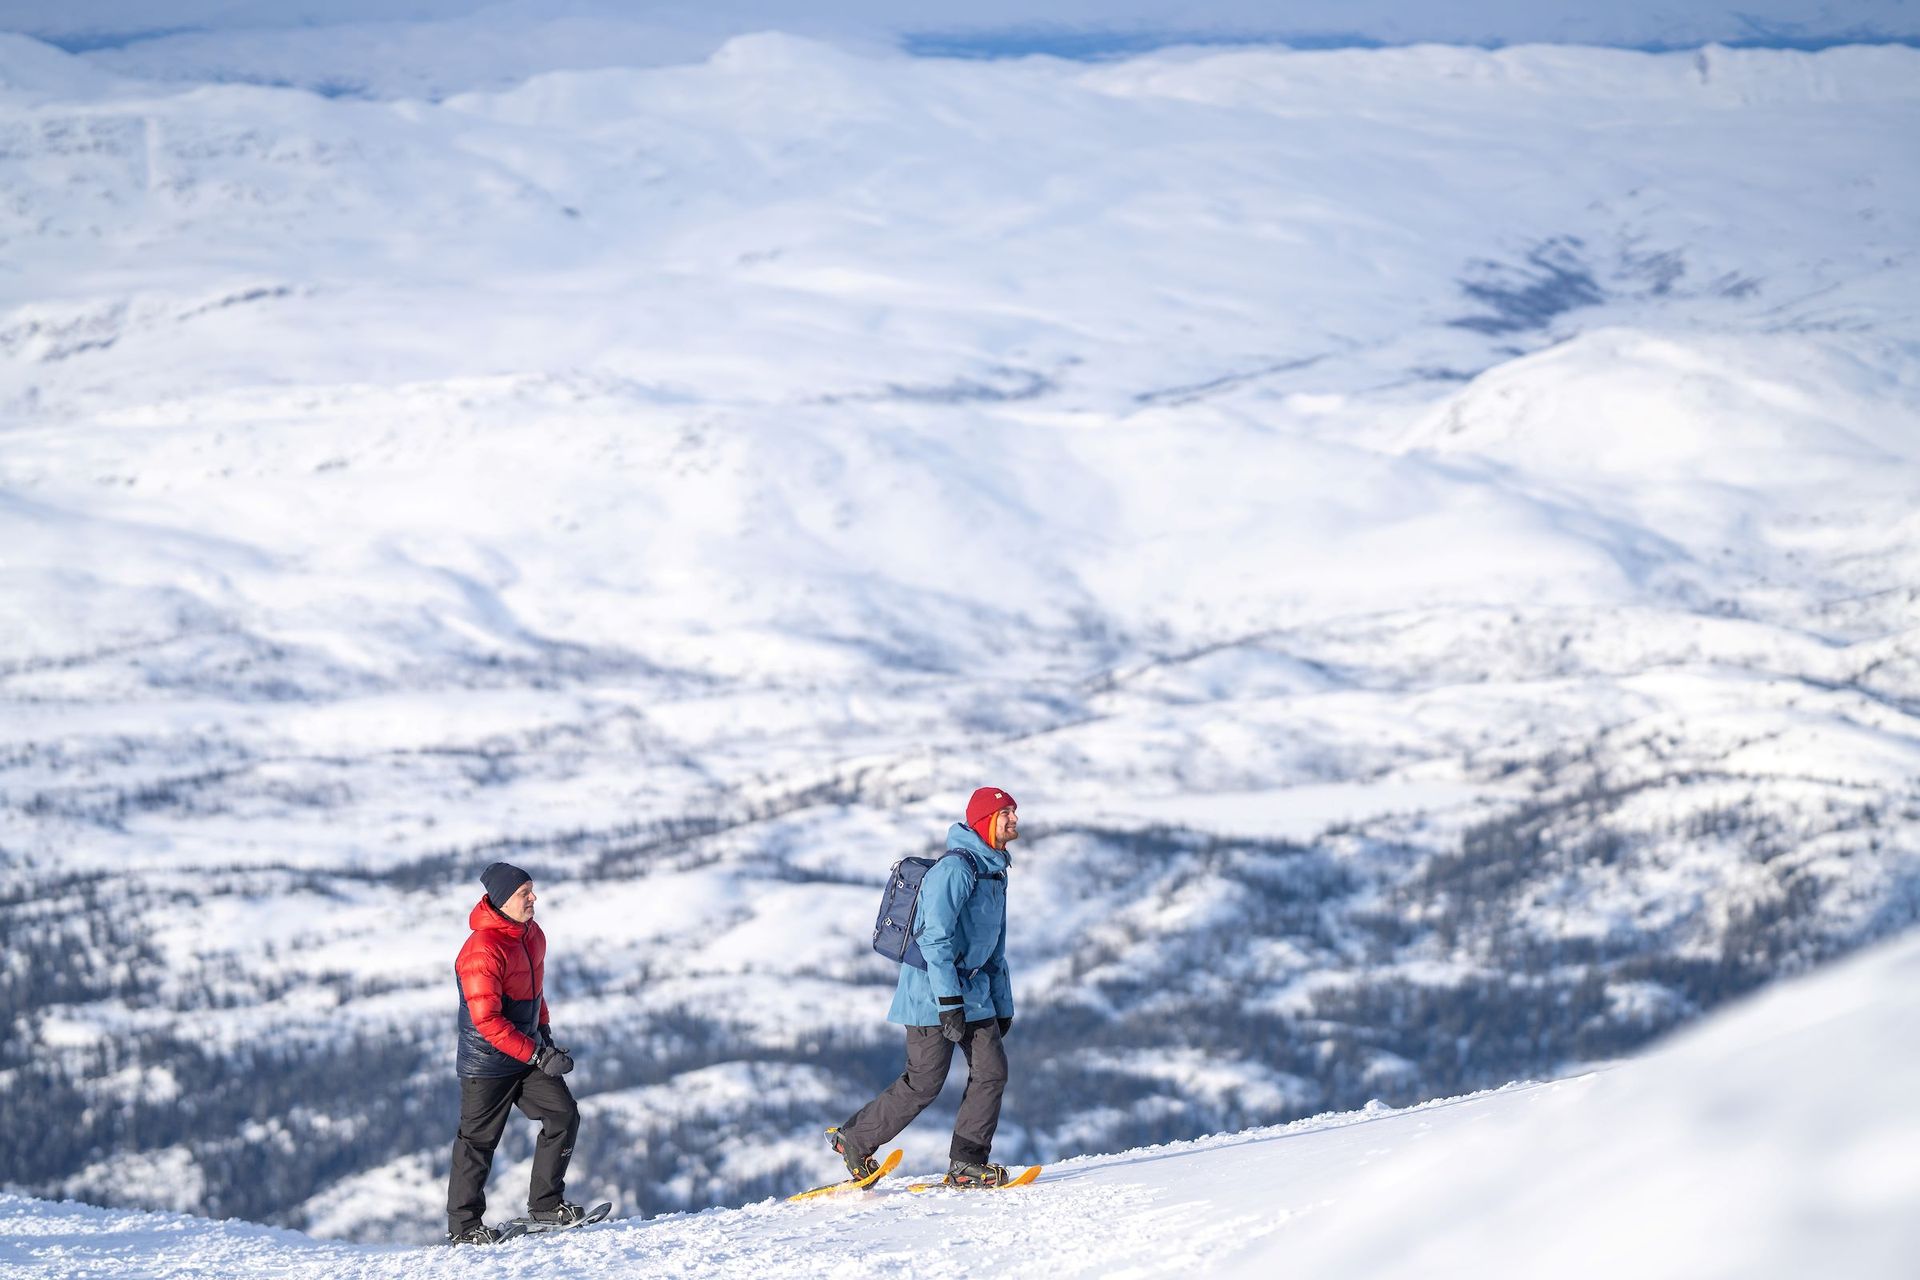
(1428, 532)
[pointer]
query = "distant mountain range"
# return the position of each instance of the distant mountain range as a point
(435, 48)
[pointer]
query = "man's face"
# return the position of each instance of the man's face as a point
(519, 907)
(1006, 826)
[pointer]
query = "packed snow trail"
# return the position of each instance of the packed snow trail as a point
(1778, 1139)
(1157, 1211)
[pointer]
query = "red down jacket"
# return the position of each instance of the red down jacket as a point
(500, 970)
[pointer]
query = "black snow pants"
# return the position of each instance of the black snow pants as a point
(484, 1104)
(929, 1054)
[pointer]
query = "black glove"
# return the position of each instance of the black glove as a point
(1006, 1025)
(953, 1024)
(555, 1062)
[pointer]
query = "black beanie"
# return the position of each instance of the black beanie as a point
(502, 879)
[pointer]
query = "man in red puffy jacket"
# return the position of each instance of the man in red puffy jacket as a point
(507, 1057)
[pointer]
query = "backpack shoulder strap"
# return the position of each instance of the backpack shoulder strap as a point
(973, 865)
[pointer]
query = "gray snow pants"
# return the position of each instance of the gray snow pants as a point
(928, 1055)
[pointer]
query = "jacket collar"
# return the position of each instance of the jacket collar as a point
(962, 836)
(486, 916)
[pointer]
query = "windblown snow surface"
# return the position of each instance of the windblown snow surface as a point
(1774, 1141)
(1428, 534)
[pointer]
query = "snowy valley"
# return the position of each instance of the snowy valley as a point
(1428, 534)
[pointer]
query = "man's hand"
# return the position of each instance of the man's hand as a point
(1006, 1025)
(953, 1024)
(555, 1062)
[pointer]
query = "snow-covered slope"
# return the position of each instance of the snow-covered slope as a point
(1427, 533)
(1772, 1142)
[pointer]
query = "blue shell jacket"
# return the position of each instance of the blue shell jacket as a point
(962, 925)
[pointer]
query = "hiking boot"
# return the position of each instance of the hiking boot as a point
(481, 1234)
(859, 1167)
(567, 1215)
(964, 1174)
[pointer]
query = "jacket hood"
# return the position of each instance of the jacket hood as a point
(484, 916)
(962, 836)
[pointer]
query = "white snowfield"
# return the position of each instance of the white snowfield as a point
(1141, 434)
(1772, 1141)
(1343, 447)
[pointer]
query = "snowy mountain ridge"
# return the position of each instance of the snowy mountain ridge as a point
(1426, 533)
(435, 48)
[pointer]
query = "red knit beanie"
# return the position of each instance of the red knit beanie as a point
(986, 802)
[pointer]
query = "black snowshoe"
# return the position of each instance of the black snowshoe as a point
(564, 1218)
(567, 1215)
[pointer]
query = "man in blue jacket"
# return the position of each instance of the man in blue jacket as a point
(963, 997)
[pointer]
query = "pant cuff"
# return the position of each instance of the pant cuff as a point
(967, 1152)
